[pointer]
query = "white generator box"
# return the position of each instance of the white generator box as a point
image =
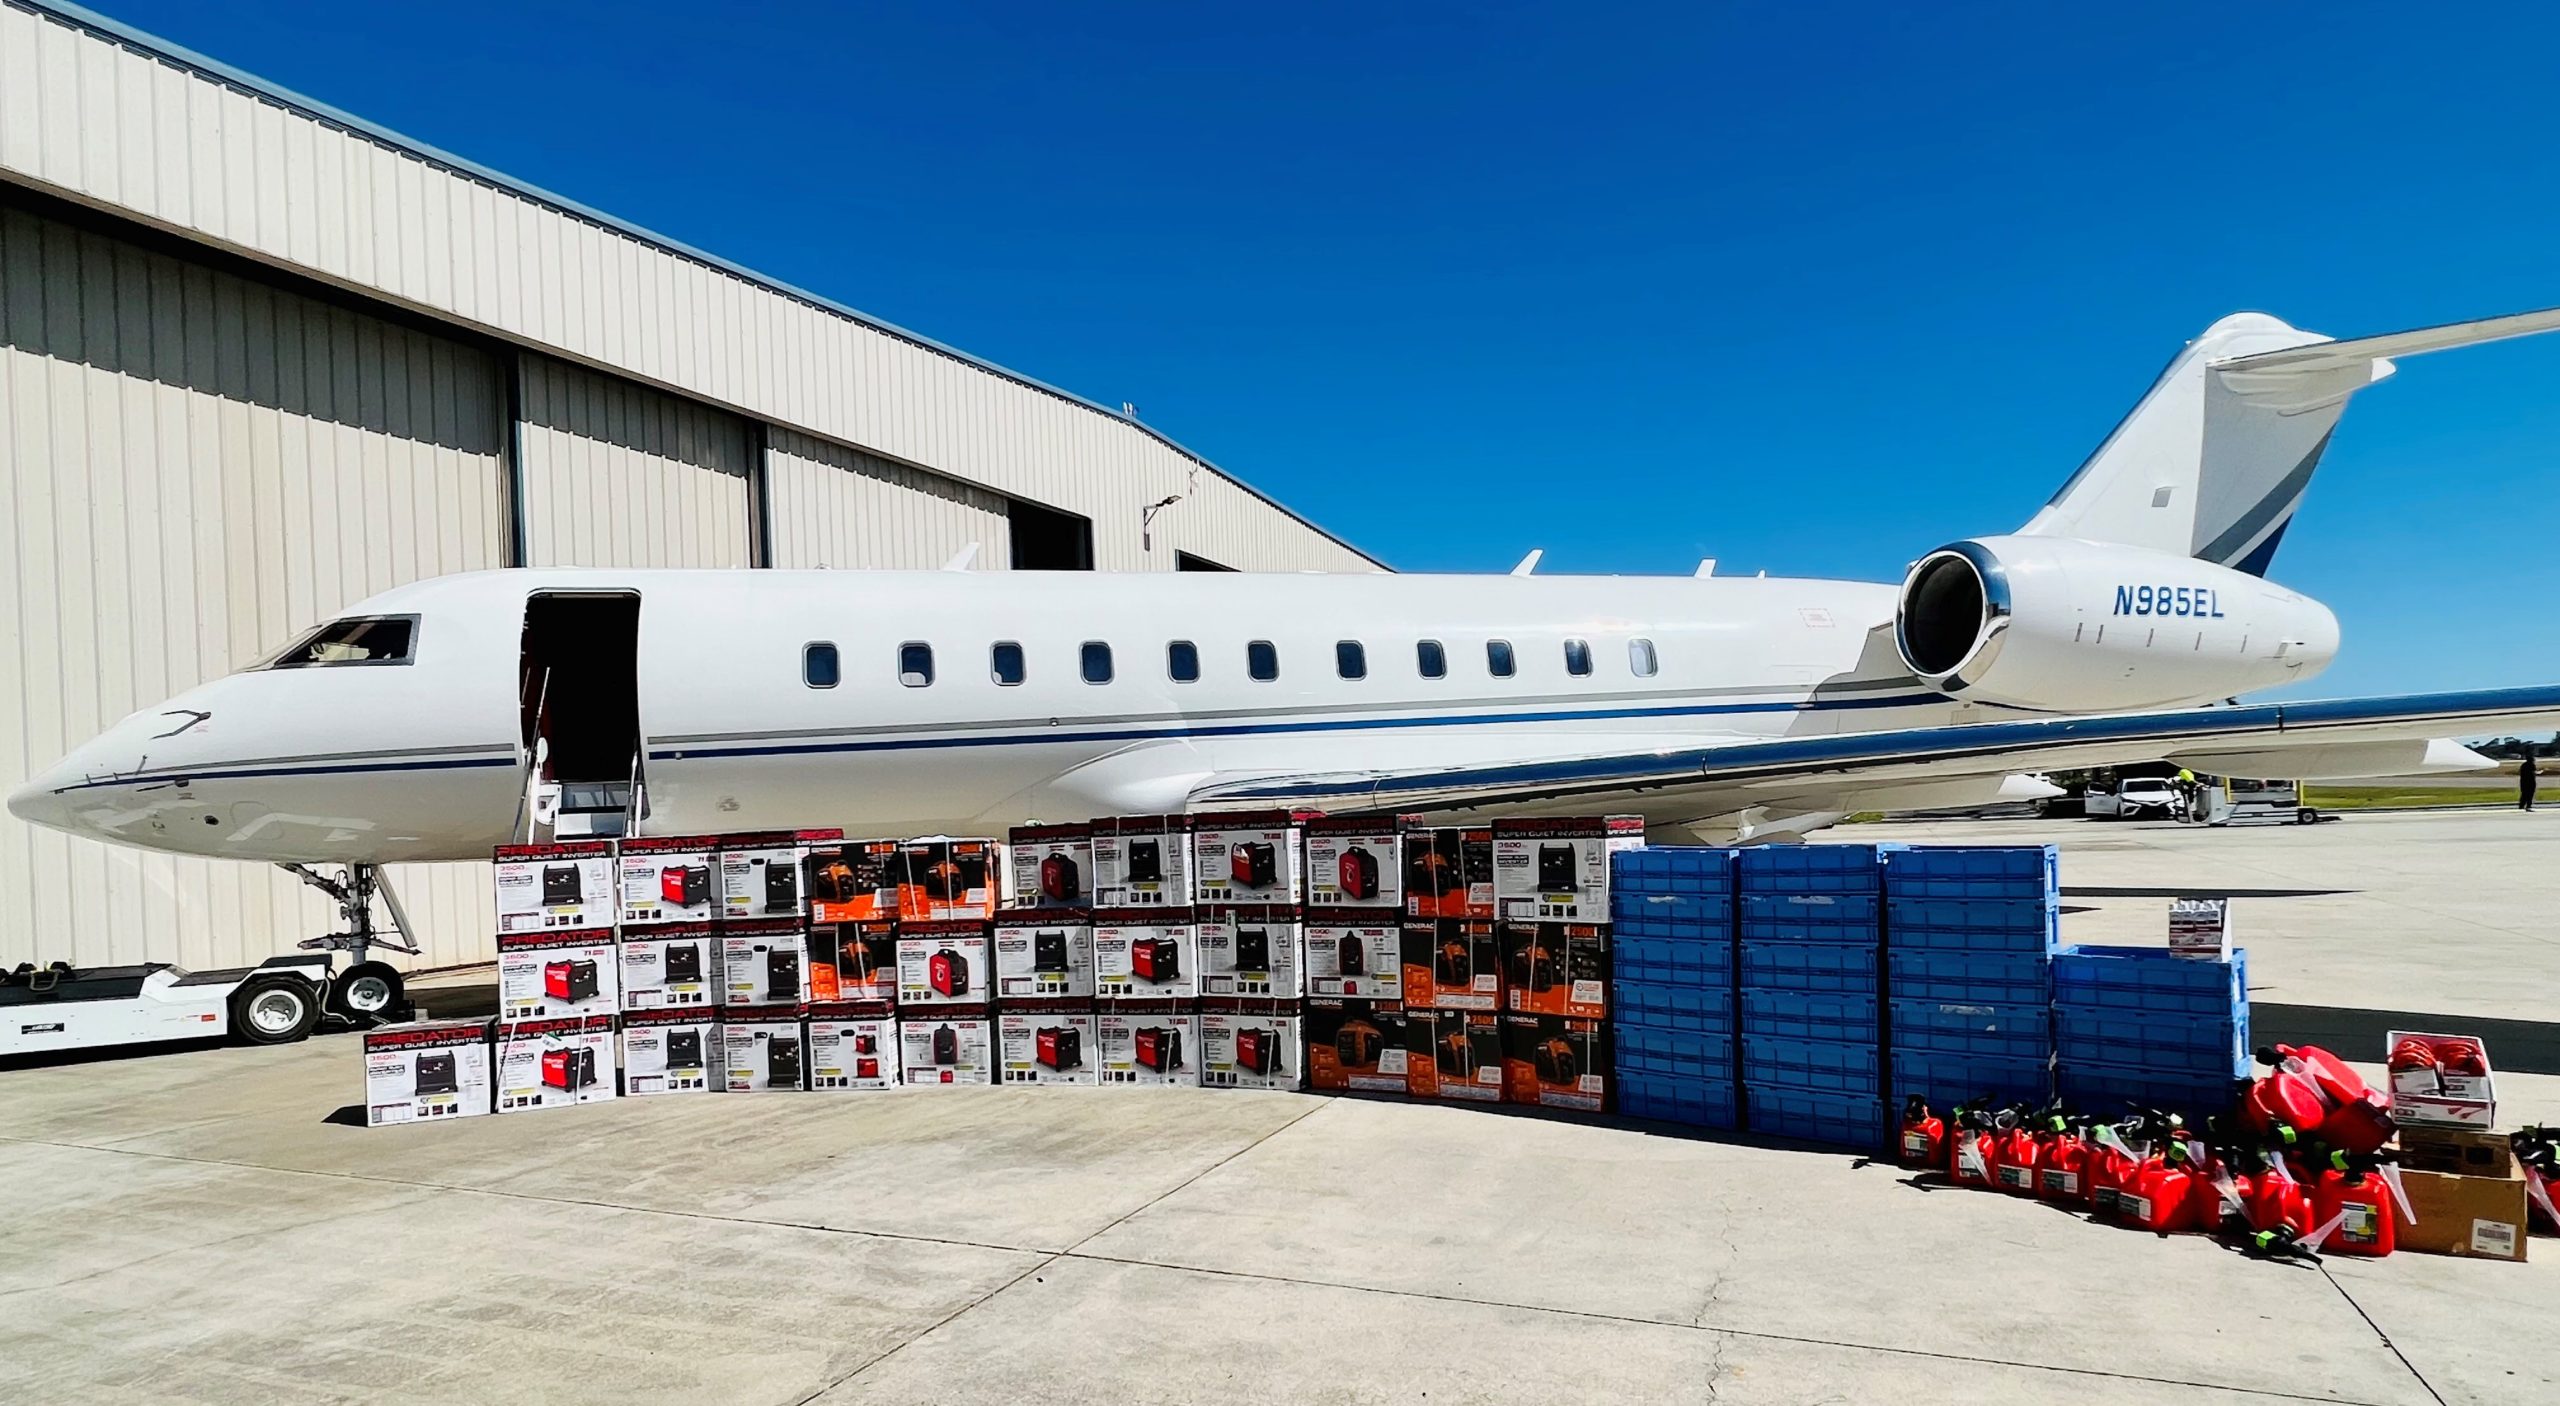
(1145, 954)
(1248, 857)
(1044, 955)
(1557, 870)
(760, 873)
(1356, 861)
(670, 879)
(1355, 955)
(555, 888)
(558, 975)
(1046, 1046)
(1052, 866)
(852, 1046)
(764, 963)
(1250, 1050)
(426, 1072)
(555, 1063)
(1147, 1044)
(1250, 951)
(674, 968)
(943, 964)
(1142, 861)
(764, 1050)
(946, 1047)
(672, 1052)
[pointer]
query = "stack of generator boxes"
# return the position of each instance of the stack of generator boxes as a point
(1970, 934)
(1249, 883)
(1673, 1007)
(1451, 982)
(2141, 1027)
(1811, 995)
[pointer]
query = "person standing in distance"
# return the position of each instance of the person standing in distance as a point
(2528, 777)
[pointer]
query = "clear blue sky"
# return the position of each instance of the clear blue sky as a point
(1758, 281)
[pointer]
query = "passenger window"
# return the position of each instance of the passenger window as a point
(1262, 661)
(818, 666)
(1577, 657)
(1182, 661)
(915, 664)
(1640, 659)
(1497, 658)
(386, 640)
(1350, 660)
(1431, 659)
(1097, 662)
(1004, 662)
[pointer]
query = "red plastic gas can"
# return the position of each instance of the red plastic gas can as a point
(2362, 1205)
(1924, 1135)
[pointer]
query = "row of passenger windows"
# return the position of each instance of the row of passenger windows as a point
(820, 666)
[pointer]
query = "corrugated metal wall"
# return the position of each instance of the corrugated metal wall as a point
(192, 468)
(839, 507)
(619, 475)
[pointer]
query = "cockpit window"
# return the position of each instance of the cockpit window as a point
(378, 639)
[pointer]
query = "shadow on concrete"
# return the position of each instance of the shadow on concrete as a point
(2195, 891)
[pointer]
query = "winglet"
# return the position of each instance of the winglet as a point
(1529, 563)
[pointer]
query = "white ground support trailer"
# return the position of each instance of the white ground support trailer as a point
(51, 1010)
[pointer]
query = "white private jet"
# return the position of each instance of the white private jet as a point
(416, 726)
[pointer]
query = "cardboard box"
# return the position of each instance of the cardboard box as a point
(950, 1046)
(760, 873)
(1556, 969)
(2460, 1151)
(1354, 954)
(555, 888)
(1045, 1044)
(1448, 872)
(2472, 1217)
(1052, 866)
(1148, 1044)
(943, 964)
(1356, 861)
(1255, 1048)
(1249, 856)
(1249, 951)
(1044, 954)
(764, 1049)
(1145, 954)
(1554, 1061)
(853, 961)
(558, 975)
(2460, 1093)
(944, 879)
(670, 879)
(764, 963)
(852, 1045)
(2200, 927)
(672, 1052)
(1453, 1055)
(852, 881)
(1355, 1045)
(1142, 861)
(426, 1072)
(671, 968)
(1557, 870)
(1452, 964)
(555, 1063)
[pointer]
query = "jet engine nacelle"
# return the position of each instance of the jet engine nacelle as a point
(2069, 626)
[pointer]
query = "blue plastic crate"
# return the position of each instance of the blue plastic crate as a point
(1821, 1065)
(1698, 917)
(1673, 869)
(1973, 924)
(1700, 1103)
(1854, 1121)
(1667, 961)
(1810, 917)
(1677, 1054)
(1929, 974)
(1811, 966)
(2150, 979)
(1702, 1010)
(1946, 1080)
(1813, 868)
(2108, 1090)
(1810, 1015)
(1973, 1028)
(2210, 1045)
(1973, 871)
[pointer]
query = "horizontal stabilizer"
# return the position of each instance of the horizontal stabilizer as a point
(2359, 351)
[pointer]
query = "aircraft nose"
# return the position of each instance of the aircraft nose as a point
(36, 803)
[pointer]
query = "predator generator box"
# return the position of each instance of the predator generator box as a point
(1147, 1043)
(1558, 870)
(1044, 954)
(945, 880)
(1249, 951)
(1452, 964)
(1448, 871)
(1052, 866)
(1355, 1046)
(1142, 861)
(672, 1052)
(1453, 1055)
(555, 888)
(555, 1063)
(1041, 1043)
(764, 963)
(1556, 969)
(1554, 1061)
(670, 879)
(426, 1072)
(764, 1049)
(760, 873)
(1251, 1045)
(1355, 954)
(558, 975)
(672, 968)
(1145, 954)
(852, 881)
(852, 1045)
(1250, 856)
(955, 1046)
(943, 964)
(1356, 861)
(853, 961)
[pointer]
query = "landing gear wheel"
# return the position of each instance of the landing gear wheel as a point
(366, 994)
(274, 1010)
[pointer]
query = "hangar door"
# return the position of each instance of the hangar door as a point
(620, 475)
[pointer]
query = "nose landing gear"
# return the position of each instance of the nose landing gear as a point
(368, 992)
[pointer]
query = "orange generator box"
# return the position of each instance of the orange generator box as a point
(1355, 1045)
(1556, 969)
(1452, 964)
(1553, 1061)
(1454, 1055)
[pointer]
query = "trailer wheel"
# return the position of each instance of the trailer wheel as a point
(366, 994)
(274, 1010)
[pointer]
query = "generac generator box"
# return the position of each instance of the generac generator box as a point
(672, 1052)
(853, 961)
(1553, 1061)
(852, 1045)
(945, 1047)
(1556, 969)
(1145, 954)
(1248, 856)
(1250, 951)
(1355, 954)
(951, 880)
(555, 1063)
(2452, 1086)
(1448, 872)
(557, 975)
(764, 962)
(555, 888)
(1044, 954)
(1142, 861)
(670, 879)
(1355, 1046)
(852, 881)
(943, 964)
(1052, 866)
(1045, 1043)
(671, 968)
(1147, 1043)
(764, 1049)
(1453, 1055)
(1356, 861)
(426, 1072)
(1452, 964)
(1251, 1045)
(1557, 870)
(760, 873)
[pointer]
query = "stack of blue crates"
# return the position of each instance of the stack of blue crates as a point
(2142, 1027)
(1671, 987)
(1812, 993)
(1971, 934)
